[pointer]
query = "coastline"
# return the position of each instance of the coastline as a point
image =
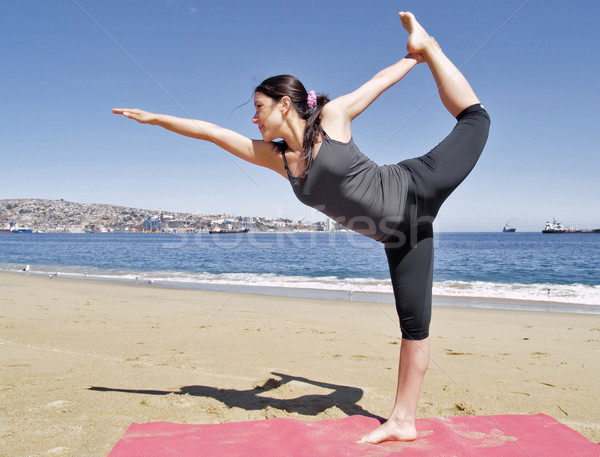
(452, 301)
(352, 293)
(82, 360)
(336, 266)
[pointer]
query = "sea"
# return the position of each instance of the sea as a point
(530, 271)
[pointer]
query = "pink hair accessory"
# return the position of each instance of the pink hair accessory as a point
(311, 100)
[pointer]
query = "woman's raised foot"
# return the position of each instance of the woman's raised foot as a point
(419, 40)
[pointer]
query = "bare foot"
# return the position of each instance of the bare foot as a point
(419, 40)
(391, 431)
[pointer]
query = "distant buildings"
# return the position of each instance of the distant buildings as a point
(55, 216)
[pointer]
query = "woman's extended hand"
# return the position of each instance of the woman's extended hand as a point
(417, 57)
(143, 117)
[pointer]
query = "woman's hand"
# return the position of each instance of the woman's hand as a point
(143, 117)
(417, 57)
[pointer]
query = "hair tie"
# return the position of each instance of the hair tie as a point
(311, 100)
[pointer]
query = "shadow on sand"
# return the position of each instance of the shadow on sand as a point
(343, 397)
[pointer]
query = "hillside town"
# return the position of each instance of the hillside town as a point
(59, 216)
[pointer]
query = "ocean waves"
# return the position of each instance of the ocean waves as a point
(530, 267)
(322, 286)
(545, 292)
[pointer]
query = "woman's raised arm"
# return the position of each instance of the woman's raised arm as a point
(254, 151)
(338, 113)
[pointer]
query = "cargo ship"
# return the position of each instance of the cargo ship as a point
(222, 231)
(508, 229)
(229, 227)
(557, 227)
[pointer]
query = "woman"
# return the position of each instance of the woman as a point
(394, 204)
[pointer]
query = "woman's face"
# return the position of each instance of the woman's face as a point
(267, 116)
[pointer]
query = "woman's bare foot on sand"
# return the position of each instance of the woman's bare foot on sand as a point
(391, 431)
(419, 41)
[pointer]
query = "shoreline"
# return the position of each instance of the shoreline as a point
(82, 360)
(453, 301)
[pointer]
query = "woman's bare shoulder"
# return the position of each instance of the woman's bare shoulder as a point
(335, 122)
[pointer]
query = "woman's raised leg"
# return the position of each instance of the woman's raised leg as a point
(456, 95)
(454, 89)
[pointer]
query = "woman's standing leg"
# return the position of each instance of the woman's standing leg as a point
(456, 95)
(411, 271)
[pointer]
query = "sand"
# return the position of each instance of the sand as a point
(81, 360)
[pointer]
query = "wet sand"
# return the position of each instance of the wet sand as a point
(81, 360)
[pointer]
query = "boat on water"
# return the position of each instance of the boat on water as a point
(554, 227)
(227, 231)
(14, 228)
(508, 229)
(557, 227)
(229, 227)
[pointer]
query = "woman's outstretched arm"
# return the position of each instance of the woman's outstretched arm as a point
(254, 151)
(338, 113)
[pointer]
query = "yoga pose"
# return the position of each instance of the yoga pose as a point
(307, 139)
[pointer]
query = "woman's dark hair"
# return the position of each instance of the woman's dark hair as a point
(277, 87)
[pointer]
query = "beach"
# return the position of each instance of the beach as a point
(81, 360)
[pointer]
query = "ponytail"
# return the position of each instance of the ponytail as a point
(311, 133)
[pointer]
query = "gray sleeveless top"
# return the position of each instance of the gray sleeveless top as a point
(353, 190)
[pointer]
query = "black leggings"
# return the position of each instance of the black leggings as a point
(434, 177)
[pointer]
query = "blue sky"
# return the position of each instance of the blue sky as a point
(66, 64)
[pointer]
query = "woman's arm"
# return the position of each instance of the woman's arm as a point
(254, 151)
(338, 113)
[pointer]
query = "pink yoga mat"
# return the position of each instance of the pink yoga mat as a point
(462, 436)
